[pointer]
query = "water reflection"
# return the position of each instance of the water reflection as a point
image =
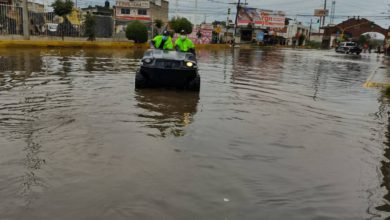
(73, 126)
(33, 162)
(16, 67)
(169, 112)
(385, 164)
(256, 65)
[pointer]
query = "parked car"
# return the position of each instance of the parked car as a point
(163, 68)
(349, 48)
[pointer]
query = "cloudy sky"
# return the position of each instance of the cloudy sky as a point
(217, 9)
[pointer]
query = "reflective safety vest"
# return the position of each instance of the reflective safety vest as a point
(184, 45)
(168, 45)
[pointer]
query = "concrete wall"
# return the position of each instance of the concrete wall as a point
(160, 12)
(316, 38)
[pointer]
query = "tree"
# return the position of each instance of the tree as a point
(90, 24)
(158, 27)
(158, 23)
(301, 39)
(178, 24)
(62, 8)
(137, 31)
(216, 23)
(363, 39)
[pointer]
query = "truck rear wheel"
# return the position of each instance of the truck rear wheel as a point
(194, 85)
(140, 81)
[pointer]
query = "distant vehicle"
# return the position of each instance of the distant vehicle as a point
(172, 69)
(349, 48)
(52, 27)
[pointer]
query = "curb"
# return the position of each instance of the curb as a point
(371, 84)
(88, 44)
(67, 44)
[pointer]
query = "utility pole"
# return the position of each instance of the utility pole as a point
(176, 8)
(311, 23)
(332, 12)
(228, 18)
(323, 18)
(196, 11)
(235, 23)
(26, 29)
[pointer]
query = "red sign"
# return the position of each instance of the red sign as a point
(131, 18)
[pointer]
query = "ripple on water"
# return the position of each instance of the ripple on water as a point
(273, 133)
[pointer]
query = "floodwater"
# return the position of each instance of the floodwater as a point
(273, 134)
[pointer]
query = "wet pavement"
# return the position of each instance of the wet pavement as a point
(380, 77)
(273, 134)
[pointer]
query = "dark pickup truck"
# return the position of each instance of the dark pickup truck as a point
(169, 69)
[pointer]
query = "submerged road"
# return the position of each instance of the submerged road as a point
(273, 134)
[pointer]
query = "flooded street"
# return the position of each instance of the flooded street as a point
(273, 134)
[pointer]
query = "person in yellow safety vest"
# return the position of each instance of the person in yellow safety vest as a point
(163, 42)
(184, 44)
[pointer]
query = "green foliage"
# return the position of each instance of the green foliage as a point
(158, 23)
(222, 23)
(363, 39)
(137, 31)
(301, 39)
(178, 24)
(90, 24)
(313, 44)
(62, 7)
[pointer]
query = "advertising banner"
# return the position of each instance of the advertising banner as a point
(133, 4)
(321, 12)
(200, 35)
(261, 18)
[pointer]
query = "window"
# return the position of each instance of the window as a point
(142, 12)
(125, 11)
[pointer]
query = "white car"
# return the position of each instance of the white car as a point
(349, 48)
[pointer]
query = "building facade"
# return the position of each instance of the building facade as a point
(5, 2)
(128, 10)
(146, 11)
(296, 31)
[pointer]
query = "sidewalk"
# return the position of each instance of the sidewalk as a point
(76, 43)
(379, 78)
(68, 44)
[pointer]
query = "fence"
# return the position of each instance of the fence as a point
(11, 20)
(48, 24)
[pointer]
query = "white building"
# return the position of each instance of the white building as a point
(295, 29)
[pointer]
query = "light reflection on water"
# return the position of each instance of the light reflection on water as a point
(272, 133)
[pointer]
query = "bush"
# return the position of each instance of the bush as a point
(158, 23)
(313, 44)
(90, 24)
(137, 31)
(178, 24)
(301, 39)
